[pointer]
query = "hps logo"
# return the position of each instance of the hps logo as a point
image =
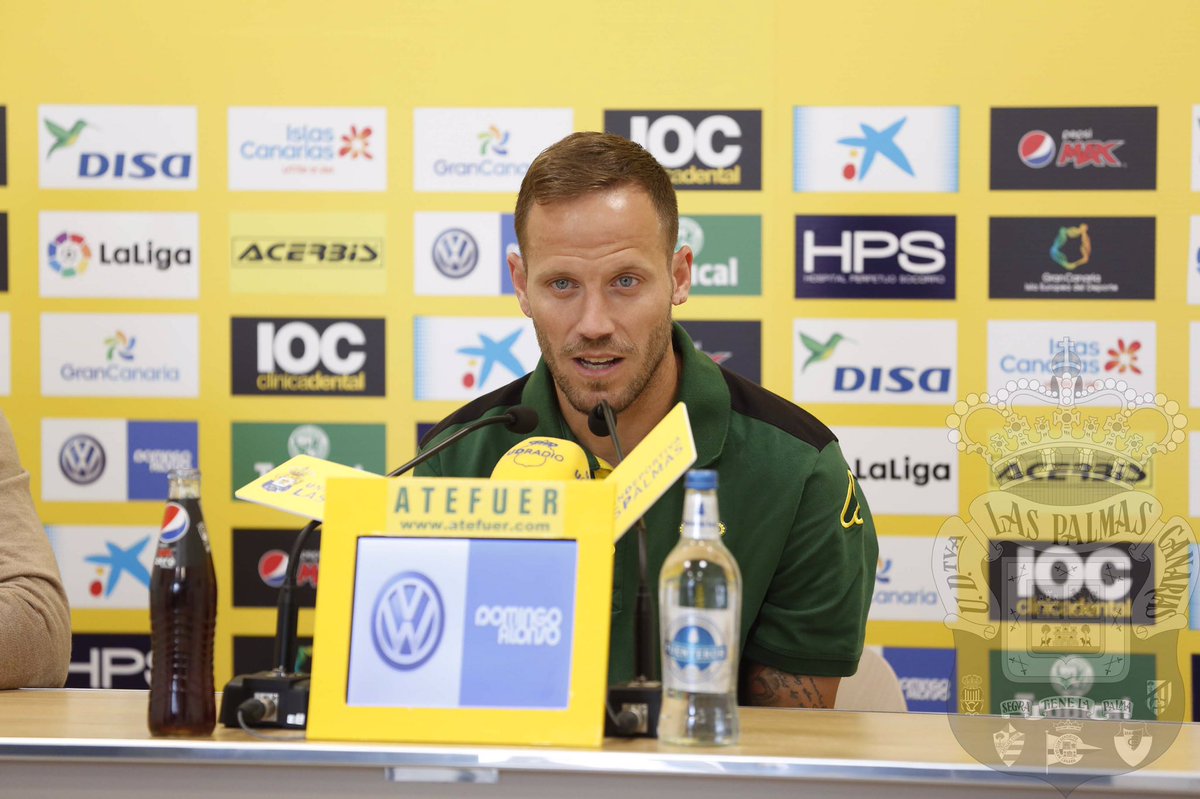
(878, 257)
(308, 356)
(709, 150)
(117, 147)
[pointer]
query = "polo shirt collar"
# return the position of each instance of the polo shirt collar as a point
(702, 388)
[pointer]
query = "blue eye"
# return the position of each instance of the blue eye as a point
(627, 281)
(562, 284)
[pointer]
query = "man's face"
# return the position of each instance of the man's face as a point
(597, 280)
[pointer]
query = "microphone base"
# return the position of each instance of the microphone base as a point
(285, 695)
(636, 706)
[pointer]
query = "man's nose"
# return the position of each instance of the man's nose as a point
(595, 319)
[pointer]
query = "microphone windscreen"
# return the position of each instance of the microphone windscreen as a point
(597, 423)
(543, 458)
(524, 420)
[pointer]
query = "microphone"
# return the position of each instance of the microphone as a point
(641, 699)
(543, 458)
(519, 419)
(287, 691)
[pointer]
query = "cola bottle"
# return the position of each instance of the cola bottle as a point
(183, 616)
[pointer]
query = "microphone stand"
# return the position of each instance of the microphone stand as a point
(637, 703)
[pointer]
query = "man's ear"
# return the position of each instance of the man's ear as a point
(516, 269)
(681, 275)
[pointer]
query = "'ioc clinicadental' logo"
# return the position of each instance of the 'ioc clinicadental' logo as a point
(407, 621)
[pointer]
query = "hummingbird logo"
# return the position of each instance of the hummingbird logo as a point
(819, 351)
(63, 137)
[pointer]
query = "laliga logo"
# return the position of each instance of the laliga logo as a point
(407, 621)
(69, 254)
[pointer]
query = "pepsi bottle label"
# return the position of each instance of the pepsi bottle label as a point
(175, 524)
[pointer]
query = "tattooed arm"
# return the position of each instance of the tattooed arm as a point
(768, 687)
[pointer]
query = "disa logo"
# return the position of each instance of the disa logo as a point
(117, 147)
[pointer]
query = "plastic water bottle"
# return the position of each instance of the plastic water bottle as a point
(183, 616)
(700, 605)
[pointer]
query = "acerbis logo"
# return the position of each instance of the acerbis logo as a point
(455, 253)
(407, 621)
(82, 459)
(324, 252)
(878, 257)
(1079, 149)
(699, 149)
(308, 356)
(69, 254)
(115, 147)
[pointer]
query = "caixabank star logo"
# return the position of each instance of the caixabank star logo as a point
(1066, 588)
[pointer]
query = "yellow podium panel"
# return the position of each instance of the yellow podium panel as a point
(463, 611)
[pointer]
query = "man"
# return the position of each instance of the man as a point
(35, 622)
(597, 221)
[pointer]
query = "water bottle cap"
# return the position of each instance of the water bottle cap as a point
(701, 479)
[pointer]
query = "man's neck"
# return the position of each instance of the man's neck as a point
(636, 421)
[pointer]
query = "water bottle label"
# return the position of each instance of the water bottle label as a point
(699, 649)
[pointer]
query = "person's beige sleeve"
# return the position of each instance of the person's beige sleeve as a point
(35, 621)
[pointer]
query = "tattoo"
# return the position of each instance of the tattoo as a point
(770, 687)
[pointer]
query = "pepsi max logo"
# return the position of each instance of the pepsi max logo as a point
(1036, 149)
(1074, 148)
(272, 567)
(175, 523)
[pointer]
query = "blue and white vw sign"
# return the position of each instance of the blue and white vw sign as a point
(455, 253)
(407, 621)
(81, 459)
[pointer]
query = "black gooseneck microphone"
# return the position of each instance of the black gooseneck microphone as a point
(279, 697)
(640, 700)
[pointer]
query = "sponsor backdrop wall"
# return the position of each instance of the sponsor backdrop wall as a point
(236, 233)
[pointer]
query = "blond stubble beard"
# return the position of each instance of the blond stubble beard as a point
(658, 346)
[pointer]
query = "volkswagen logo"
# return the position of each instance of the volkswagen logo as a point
(407, 621)
(455, 253)
(81, 459)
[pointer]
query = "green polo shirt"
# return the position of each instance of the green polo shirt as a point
(794, 516)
